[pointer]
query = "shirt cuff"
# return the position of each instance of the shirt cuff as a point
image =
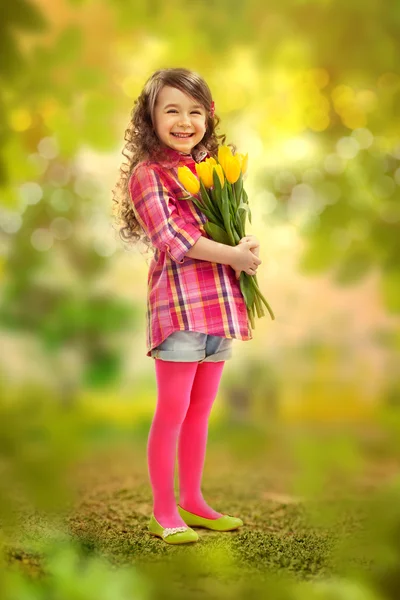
(182, 243)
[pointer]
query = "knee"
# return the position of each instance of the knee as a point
(198, 410)
(172, 413)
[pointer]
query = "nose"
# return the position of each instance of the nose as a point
(185, 121)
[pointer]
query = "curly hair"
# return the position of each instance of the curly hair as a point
(143, 142)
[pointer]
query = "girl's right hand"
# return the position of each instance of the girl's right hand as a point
(244, 259)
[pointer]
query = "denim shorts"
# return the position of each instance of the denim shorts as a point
(193, 346)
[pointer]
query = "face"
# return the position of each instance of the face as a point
(176, 113)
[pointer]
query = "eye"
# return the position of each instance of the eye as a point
(197, 112)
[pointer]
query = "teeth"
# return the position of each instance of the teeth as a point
(182, 135)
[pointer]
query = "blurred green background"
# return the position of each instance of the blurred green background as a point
(311, 90)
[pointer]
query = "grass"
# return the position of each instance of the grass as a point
(288, 531)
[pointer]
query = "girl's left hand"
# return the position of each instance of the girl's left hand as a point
(255, 250)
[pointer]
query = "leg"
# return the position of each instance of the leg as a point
(193, 439)
(174, 384)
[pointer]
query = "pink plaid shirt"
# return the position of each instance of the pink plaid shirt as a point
(183, 293)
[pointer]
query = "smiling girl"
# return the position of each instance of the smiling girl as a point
(195, 307)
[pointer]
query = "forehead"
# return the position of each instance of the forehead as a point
(171, 95)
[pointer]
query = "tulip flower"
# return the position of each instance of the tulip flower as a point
(188, 180)
(225, 204)
(232, 169)
(224, 154)
(204, 171)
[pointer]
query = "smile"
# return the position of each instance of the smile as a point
(182, 135)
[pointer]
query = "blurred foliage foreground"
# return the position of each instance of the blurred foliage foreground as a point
(321, 510)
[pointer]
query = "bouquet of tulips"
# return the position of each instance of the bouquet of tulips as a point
(225, 204)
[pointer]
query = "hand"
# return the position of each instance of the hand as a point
(255, 249)
(244, 259)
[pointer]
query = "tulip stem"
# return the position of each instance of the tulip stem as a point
(258, 292)
(259, 308)
(251, 318)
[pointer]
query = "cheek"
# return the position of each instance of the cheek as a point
(166, 123)
(201, 124)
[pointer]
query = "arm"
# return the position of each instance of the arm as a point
(205, 249)
(239, 257)
(155, 210)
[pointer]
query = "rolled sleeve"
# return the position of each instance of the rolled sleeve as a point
(156, 211)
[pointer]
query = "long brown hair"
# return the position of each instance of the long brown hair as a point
(143, 142)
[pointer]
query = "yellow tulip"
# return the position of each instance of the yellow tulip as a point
(224, 154)
(220, 174)
(204, 171)
(188, 180)
(243, 161)
(224, 151)
(211, 160)
(232, 169)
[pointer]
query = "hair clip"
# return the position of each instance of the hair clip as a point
(212, 109)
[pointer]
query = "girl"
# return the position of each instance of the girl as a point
(194, 304)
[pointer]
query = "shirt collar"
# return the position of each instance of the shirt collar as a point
(174, 158)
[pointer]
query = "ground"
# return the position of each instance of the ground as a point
(246, 475)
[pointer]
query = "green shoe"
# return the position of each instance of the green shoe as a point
(224, 523)
(172, 535)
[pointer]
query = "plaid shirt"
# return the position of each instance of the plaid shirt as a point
(183, 293)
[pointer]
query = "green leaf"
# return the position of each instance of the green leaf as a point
(214, 210)
(217, 204)
(226, 214)
(238, 186)
(204, 210)
(217, 192)
(246, 201)
(217, 183)
(217, 233)
(204, 195)
(235, 222)
(243, 210)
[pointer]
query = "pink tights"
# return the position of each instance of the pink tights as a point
(185, 395)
